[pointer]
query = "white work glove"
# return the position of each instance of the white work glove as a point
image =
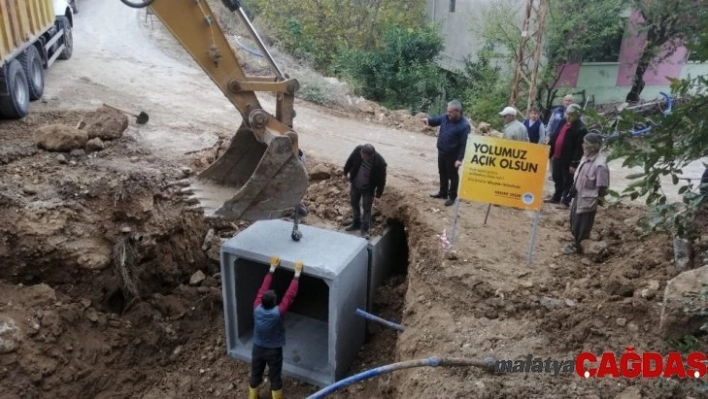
(274, 262)
(298, 269)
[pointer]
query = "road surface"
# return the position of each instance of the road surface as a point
(126, 59)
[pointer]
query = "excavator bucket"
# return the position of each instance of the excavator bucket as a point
(252, 180)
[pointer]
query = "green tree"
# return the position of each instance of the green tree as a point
(402, 72)
(581, 31)
(320, 30)
(667, 25)
(487, 87)
(578, 32)
(592, 31)
(673, 143)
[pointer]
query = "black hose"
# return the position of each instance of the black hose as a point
(133, 4)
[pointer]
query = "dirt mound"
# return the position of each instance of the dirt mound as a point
(96, 288)
(485, 304)
(109, 286)
(60, 138)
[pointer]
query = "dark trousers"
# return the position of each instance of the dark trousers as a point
(361, 198)
(580, 224)
(449, 175)
(563, 180)
(260, 357)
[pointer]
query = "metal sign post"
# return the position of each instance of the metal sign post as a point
(534, 229)
(503, 173)
(457, 208)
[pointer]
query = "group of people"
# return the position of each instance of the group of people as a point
(579, 172)
(578, 169)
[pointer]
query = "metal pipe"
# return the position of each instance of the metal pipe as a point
(379, 320)
(488, 364)
(486, 216)
(260, 43)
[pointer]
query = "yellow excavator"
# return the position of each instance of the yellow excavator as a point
(260, 176)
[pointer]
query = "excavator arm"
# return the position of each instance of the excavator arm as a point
(260, 175)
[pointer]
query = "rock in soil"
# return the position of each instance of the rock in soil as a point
(320, 172)
(682, 254)
(197, 278)
(106, 124)
(10, 335)
(59, 138)
(595, 250)
(95, 144)
(675, 322)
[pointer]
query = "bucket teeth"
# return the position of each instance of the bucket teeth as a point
(250, 181)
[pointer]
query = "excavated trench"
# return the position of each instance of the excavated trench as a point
(110, 288)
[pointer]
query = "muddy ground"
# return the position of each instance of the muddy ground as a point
(98, 257)
(98, 251)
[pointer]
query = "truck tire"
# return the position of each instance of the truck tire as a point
(14, 104)
(64, 24)
(34, 70)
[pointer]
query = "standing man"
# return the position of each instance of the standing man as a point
(269, 332)
(513, 129)
(535, 128)
(557, 121)
(566, 152)
(558, 116)
(452, 141)
(591, 183)
(367, 173)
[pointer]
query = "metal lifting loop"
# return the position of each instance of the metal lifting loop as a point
(142, 4)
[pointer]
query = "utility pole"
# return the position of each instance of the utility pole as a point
(528, 57)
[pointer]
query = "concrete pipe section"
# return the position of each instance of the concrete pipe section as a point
(341, 273)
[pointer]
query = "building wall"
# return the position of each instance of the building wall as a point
(609, 82)
(462, 29)
(603, 82)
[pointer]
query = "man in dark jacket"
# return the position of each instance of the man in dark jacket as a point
(367, 173)
(269, 332)
(557, 119)
(566, 152)
(452, 142)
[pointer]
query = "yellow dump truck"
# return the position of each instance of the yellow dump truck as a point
(33, 35)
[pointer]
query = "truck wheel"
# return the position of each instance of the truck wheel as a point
(64, 24)
(14, 104)
(34, 70)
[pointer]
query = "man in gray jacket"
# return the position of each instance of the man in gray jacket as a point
(513, 129)
(592, 180)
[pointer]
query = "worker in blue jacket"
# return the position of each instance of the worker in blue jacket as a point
(452, 142)
(269, 332)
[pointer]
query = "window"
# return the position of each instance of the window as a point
(452, 5)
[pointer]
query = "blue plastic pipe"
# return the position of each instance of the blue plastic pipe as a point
(488, 364)
(379, 320)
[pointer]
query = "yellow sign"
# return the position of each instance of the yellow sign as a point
(504, 172)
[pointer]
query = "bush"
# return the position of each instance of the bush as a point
(487, 88)
(402, 72)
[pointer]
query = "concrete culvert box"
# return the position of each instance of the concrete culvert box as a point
(323, 333)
